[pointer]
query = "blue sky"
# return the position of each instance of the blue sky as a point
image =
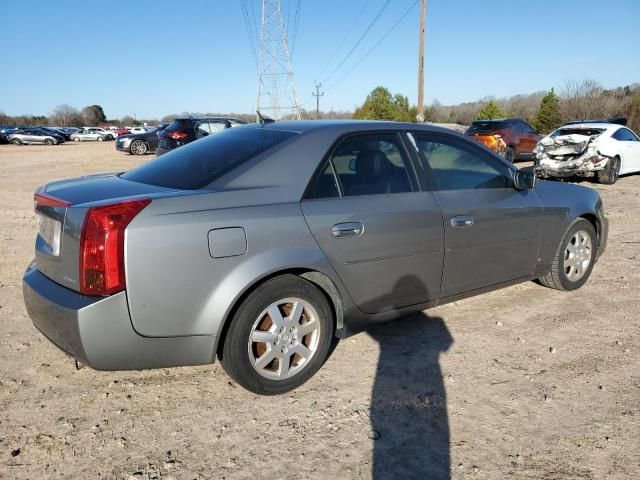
(157, 57)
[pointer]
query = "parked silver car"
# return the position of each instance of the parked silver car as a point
(262, 245)
(34, 136)
(91, 134)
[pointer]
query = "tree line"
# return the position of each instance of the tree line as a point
(576, 100)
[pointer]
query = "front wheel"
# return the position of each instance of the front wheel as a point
(279, 337)
(138, 147)
(48, 141)
(574, 258)
(76, 139)
(16, 141)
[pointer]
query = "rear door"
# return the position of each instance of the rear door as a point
(492, 231)
(382, 234)
(629, 146)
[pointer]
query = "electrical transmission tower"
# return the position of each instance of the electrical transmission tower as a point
(276, 86)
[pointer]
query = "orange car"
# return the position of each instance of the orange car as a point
(513, 138)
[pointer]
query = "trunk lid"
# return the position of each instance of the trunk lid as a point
(61, 208)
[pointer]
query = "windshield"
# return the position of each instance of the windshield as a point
(197, 164)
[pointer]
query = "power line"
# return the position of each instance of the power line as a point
(295, 27)
(247, 24)
(387, 33)
(373, 22)
(343, 41)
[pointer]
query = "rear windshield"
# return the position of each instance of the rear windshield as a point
(180, 125)
(578, 131)
(199, 163)
(485, 127)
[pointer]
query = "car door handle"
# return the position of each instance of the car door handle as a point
(350, 229)
(461, 221)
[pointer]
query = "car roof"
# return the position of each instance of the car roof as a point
(231, 119)
(346, 126)
(603, 125)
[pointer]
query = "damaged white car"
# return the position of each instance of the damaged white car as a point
(604, 150)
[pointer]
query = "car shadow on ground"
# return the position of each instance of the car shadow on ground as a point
(409, 420)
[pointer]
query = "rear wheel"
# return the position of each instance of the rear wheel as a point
(609, 175)
(279, 337)
(138, 147)
(510, 154)
(574, 258)
(100, 139)
(16, 141)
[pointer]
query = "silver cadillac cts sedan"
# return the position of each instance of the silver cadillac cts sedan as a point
(264, 244)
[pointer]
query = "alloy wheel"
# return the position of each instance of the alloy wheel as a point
(284, 338)
(577, 255)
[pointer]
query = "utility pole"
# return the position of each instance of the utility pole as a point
(318, 94)
(420, 115)
(276, 86)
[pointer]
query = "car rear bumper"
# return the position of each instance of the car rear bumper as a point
(97, 331)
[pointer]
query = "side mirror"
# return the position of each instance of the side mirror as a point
(524, 180)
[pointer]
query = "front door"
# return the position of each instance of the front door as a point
(492, 231)
(382, 235)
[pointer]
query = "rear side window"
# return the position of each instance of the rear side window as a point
(625, 135)
(197, 164)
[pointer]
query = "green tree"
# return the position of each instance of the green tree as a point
(381, 105)
(490, 110)
(93, 115)
(548, 116)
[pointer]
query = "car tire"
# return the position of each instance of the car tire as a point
(138, 147)
(100, 139)
(16, 141)
(574, 258)
(48, 141)
(510, 154)
(76, 139)
(609, 175)
(261, 335)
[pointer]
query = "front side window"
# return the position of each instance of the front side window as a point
(372, 164)
(456, 166)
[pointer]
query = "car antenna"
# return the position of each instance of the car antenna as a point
(264, 120)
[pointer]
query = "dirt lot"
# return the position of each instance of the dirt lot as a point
(524, 382)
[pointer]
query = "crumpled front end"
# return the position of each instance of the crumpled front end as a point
(569, 155)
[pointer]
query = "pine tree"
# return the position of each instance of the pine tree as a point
(489, 111)
(548, 116)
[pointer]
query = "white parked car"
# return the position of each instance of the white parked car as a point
(92, 134)
(601, 149)
(139, 129)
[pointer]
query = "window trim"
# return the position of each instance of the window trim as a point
(483, 152)
(414, 178)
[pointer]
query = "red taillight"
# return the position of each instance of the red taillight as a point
(177, 135)
(102, 247)
(45, 200)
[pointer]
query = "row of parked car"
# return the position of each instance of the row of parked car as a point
(58, 135)
(604, 149)
(166, 137)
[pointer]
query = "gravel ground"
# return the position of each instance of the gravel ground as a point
(525, 382)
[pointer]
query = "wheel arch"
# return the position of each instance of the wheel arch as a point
(324, 283)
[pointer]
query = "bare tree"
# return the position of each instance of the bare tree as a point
(64, 115)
